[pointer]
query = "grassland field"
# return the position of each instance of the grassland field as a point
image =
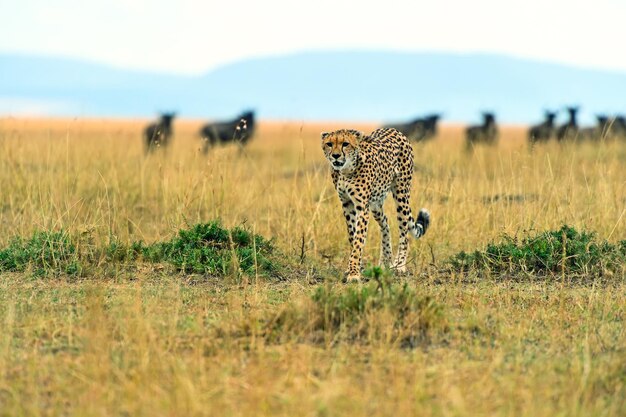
(143, 339)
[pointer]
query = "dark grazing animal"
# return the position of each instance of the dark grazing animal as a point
(420, 129)
(610, 127)
(412, 130)
(544, 131)
(619, 126)
(569, 130)
(159, 133)
(239, 130)
(486, 133)
(430, 126)
(591, 132)
(603, 130)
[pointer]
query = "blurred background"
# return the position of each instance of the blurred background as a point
(323, 60)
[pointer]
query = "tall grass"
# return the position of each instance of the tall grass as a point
(150, 341)
(94, 176)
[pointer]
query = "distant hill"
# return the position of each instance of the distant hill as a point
(357, 86)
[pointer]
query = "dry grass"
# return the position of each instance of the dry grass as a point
(150, 343)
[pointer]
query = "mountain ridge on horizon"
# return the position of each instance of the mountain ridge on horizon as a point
(316, 85)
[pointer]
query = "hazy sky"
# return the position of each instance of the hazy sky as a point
(190, 36)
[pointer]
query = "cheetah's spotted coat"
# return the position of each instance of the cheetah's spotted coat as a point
(364, 170)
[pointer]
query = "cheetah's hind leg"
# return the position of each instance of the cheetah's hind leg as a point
(417, 228)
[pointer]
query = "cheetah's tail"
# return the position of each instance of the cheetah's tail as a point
(420, 225)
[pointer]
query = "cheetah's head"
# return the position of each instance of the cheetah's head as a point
(341, 148)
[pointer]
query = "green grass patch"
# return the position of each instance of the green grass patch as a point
(211, 249)
(206, 248)
(43, 253)
(565, 250)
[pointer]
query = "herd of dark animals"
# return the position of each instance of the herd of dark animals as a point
(240, 130)
(606, 128)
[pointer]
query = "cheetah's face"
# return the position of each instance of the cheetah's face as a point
(341, 148)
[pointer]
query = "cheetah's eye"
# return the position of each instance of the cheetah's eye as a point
(329, 144)
(345, 144)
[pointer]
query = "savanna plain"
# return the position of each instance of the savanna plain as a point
(122, 294)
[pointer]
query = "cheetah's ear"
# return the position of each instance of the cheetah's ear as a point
(357, 134)
(325, 135)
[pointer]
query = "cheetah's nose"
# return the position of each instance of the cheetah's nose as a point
(336, 155)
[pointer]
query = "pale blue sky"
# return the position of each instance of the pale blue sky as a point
(189, 36)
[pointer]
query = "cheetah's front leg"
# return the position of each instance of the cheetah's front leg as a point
(358, 242)
(350, 215)
(385, 249)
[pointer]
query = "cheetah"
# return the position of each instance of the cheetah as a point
(364, 169)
